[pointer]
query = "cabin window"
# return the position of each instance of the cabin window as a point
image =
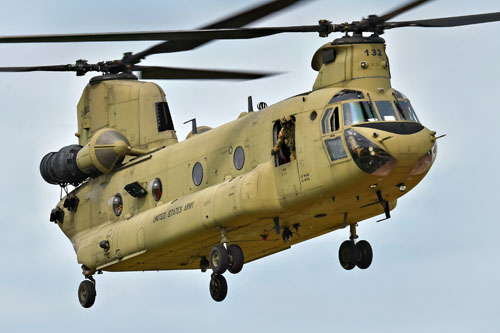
(239, 158)
(335, 148)
(313, 115)
(163, 117)
(386, 110)
(359, 112)
(117, 204)
(156, 189)
(197, 174)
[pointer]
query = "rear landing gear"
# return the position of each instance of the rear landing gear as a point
(222, 259)
(348, 255)
(365, 254)
(352, 254)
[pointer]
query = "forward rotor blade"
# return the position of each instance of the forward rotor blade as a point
(444, 22)
(171, 73)
(80, 67)
(55, 68)
(198, 35)
(402, 9)
(235, 21)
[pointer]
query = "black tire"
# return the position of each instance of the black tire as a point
(236, 259)
(218, 287)
(348, 255)
(219, 259)
(86, 294)
(365, 254)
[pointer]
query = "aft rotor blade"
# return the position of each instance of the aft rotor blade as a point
(235, 21)
(174, 73)
(447, 21)
(198, 35)
(402, 9)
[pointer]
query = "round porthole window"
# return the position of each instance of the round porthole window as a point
(313, 115)
(197, 174)
(117, 204)
(239, 158)
(156, 189)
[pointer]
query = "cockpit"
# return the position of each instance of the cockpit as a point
(349, 111)
(358, 107)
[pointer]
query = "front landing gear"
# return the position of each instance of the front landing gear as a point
(218, 287)
(219, 259)
(352, 254)
(87, 293)
(222, 259)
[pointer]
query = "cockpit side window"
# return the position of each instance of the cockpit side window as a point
(386, 110)
(334, 120)
(358, 112)
(325, 122)
(330, 121)
(333, 144)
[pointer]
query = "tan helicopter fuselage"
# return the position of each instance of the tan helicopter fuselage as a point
(324, 189)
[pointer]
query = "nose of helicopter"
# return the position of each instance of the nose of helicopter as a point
(403, 148)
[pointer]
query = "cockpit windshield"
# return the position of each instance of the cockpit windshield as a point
(386, 110)
(405, 110)
(358, 112)
(358, 107)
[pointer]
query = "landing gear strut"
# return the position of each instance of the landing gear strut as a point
(222, 259)
(352, 254)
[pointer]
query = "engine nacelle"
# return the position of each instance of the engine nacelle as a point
(73, 164)
(61, 168)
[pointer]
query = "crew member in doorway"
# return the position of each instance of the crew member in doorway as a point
(286, 137)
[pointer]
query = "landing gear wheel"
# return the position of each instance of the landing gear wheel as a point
(219, 259)
(236, 259)
(218, 287)
(365, 254)
(348, 255)
(86, 294)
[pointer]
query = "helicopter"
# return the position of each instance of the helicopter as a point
(275, 224)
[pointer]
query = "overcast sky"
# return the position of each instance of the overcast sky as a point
(436, 261)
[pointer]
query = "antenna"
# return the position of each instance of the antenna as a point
(194, 129)
(250, 104)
